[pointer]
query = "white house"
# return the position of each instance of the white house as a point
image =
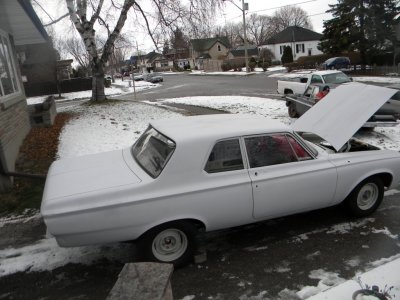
(303, 42)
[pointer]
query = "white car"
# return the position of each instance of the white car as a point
(210, 172)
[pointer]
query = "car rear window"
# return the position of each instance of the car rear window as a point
(152, 151)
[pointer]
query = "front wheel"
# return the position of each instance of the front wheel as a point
(172, 242)
(366, 197)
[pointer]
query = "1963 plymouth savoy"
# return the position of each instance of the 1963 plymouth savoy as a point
(212, 172)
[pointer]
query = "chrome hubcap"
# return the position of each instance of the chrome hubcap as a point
(169, 245)
(367, 196)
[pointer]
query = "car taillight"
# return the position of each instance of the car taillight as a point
(320, 95)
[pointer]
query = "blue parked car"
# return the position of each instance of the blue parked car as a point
(336, 63)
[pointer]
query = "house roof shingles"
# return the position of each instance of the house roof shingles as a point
(239, 51)
(294, 34)
(202, 45)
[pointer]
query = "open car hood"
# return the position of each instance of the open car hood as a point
(341, 113)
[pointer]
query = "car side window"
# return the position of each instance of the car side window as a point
(225, 156)
(301, 153)
(269, 150)
(316, 79)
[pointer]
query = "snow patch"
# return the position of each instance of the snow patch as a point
(327, 280)
(344, 228)
(384, 275)
(47, 255)
(388, 80)
(391, 192)
(385, 231)
(101, 128)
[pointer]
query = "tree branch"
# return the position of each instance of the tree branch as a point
(147, 24)
(57, 20)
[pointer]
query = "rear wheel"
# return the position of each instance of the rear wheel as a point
(366, 197)
(172, 242)
(292, 111)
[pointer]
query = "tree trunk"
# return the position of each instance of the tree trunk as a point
(98, 83)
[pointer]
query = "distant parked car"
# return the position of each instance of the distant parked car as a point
(154, 78)
(336, 63)
(138, 77)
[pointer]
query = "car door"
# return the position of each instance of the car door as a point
(286, 178)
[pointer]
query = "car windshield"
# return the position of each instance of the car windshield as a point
(328, 61)
(152, 151)
(336, 78)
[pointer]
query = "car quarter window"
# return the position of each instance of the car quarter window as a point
(301, 153)
(225, 156)
(267, 150)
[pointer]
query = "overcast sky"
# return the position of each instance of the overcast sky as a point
(315, 8)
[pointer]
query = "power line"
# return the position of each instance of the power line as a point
(272, 8)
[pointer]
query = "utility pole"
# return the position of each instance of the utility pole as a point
(245, 6)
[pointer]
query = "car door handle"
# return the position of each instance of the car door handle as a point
(255, 174)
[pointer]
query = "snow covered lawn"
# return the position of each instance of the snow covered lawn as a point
(112, 126)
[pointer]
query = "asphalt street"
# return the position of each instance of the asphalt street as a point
(185, 85)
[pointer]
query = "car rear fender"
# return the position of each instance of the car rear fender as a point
(199, 222)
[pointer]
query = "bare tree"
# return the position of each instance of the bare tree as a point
(75, 48)
(290, 16)
(259, 29)
(86, 13)
(233, 31)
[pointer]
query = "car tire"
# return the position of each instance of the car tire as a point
(173, 242)
(366, 197)
(292, 111)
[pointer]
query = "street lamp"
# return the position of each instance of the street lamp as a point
(245, 6)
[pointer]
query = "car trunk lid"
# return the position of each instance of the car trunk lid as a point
(86, 174)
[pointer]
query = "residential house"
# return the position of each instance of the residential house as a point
(303, 42)
(179, 57)
(19, 25)
(162, 63)
(146, 63)
(38, 63)
(239, 53)
(209, 53)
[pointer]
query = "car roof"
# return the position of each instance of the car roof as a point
(326, 72)
(217, 126)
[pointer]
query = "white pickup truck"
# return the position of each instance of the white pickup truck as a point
(297, 83)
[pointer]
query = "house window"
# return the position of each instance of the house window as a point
(8, 74)
(219, 47)
(299, 48)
